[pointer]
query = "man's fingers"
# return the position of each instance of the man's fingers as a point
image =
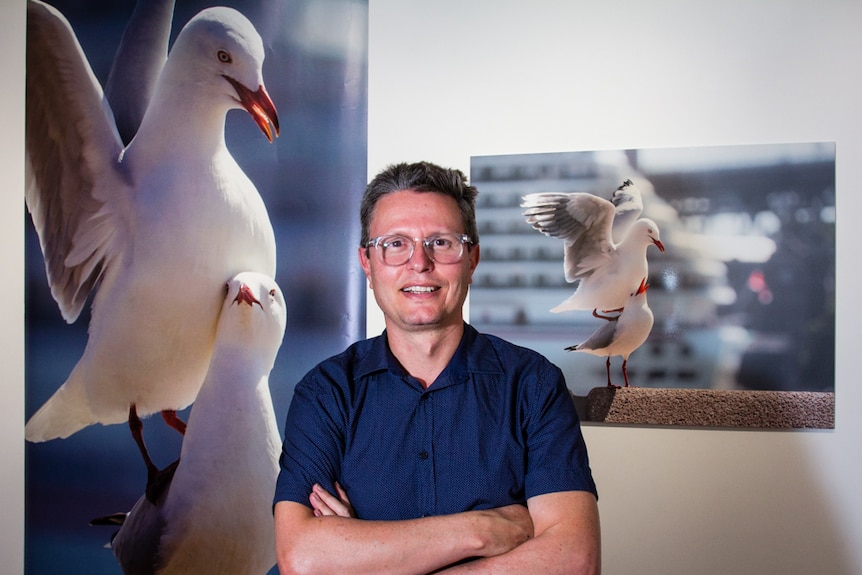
(327, 504)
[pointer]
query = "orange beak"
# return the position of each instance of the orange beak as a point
(259, 105)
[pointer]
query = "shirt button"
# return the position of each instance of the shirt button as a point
(423, 455)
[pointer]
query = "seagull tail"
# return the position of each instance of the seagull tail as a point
(65, 413)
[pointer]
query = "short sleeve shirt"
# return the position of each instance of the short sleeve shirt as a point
(497, 427)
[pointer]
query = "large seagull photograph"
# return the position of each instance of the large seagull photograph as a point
(193, 173)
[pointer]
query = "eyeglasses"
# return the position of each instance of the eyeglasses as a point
(397, 250)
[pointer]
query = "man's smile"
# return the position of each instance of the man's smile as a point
(419, 289)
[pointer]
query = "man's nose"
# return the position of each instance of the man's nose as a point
(420, 260)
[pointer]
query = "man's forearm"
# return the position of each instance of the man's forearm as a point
(567, 541)
(333, 544)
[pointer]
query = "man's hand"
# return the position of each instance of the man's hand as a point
(511, 526)
(324, 503)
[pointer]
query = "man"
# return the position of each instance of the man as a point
(416, 451)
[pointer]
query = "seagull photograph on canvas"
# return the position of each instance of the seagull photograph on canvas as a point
(736, 244)
(171, 145)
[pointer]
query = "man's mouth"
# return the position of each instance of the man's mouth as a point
(419, 289)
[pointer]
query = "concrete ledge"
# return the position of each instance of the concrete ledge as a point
(709, 408)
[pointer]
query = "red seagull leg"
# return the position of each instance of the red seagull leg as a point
(137, 427)
(625, 373)
(608, 365)
(157, 479)
(170, 417)
(606, 317)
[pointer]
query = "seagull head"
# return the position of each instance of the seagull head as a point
(254, 305)
(651, 232)
(220, 52)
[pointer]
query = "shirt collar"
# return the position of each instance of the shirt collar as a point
(474, 354)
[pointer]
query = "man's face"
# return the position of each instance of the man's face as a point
(420, 294)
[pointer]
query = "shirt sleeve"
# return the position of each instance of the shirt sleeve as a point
(557, 454)
(313, 440)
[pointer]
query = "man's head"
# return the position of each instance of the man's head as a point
(421, 177)
(419, 246)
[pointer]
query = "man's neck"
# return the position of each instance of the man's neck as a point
(425, 353)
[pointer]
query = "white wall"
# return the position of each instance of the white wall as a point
(455, 78)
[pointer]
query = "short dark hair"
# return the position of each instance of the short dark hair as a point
(421, 177)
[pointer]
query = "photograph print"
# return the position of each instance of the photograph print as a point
(681, 286)
(194, 176)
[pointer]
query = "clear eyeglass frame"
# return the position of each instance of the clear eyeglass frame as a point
(396, 249)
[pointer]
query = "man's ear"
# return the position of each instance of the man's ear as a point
(474, 260)
(366, 264)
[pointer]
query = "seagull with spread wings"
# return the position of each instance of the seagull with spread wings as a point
(151, 230)
(606, 270)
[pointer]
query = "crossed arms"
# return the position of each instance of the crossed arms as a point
(555, 533)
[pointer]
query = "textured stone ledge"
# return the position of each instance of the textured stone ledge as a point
(709, 408)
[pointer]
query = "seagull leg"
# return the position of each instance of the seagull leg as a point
(625, 373)
(608, 366)
(170, 417)
(157, 479)
(137, 427)
(605, 317)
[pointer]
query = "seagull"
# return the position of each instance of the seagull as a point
(215, 515)
(138, 62)
(622, 334)
(152, 229)
(607, 271)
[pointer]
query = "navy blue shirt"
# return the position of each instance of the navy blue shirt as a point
(497, 427)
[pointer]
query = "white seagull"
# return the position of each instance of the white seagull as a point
(157, 226)
(622, 334)
(215, 515)
(607, 271)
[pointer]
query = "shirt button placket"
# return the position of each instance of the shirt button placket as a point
(426, 450)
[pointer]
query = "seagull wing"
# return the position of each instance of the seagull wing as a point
(137, 545)
(138, 62)
(600, 339)
(72, 148)
(582, 220)
(628, 204)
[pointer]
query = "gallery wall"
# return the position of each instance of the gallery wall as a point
(453, 79)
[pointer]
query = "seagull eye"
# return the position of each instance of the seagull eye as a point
(224, 56)
(272, 292)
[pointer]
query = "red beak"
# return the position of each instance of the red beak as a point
(245, 296)
(259, 105)
(659, 245)
(644, 286)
